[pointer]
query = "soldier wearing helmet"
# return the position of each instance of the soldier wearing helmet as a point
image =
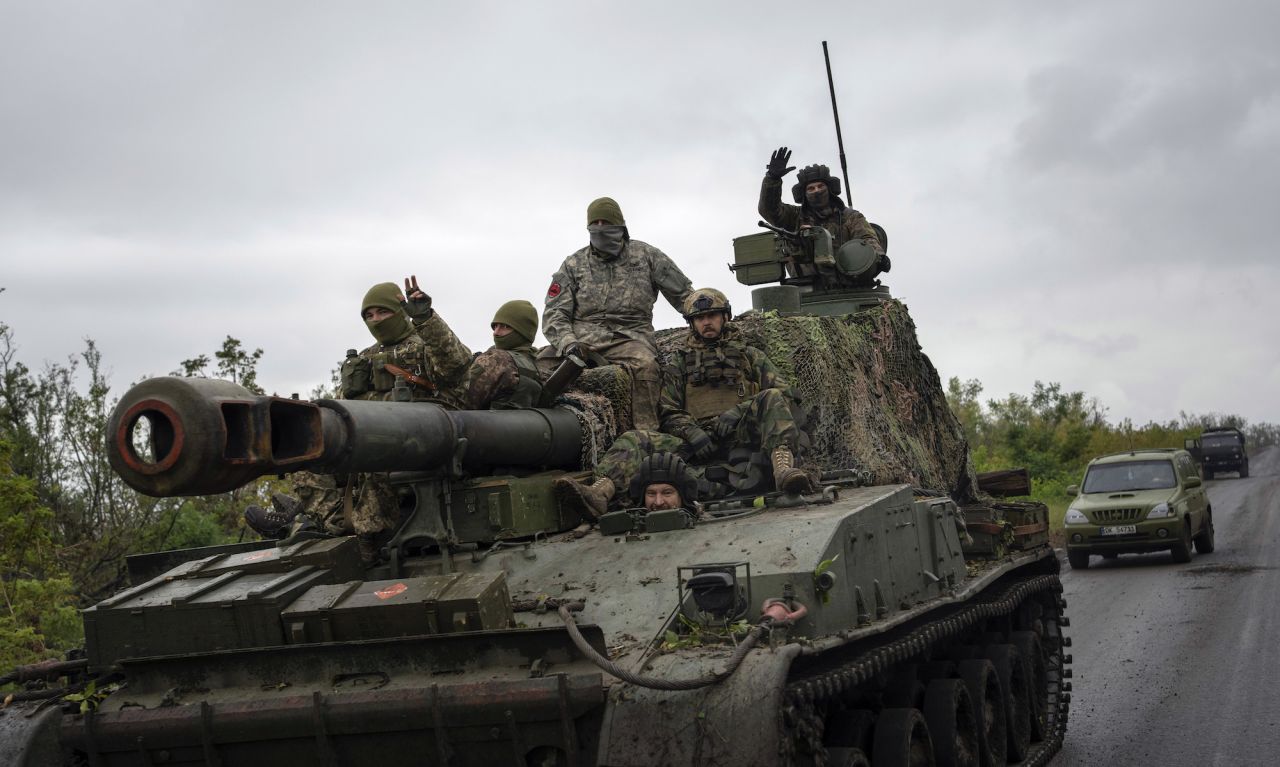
(664, 482)
(817, 193)
(718, 394)
(601, 299)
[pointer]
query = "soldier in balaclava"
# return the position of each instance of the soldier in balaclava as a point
(718, 394)
(817, 193)
(601, 299)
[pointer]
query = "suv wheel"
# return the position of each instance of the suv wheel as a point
(1244, 470)
(1204, 541)
(1079, 559)
(1208, 473)
(1182, 549)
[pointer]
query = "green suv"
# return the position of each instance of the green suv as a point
(1145, 500)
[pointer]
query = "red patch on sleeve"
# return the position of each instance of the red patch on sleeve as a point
(554, 290)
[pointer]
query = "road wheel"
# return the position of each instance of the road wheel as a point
(1208, 473)
(1204, 541)
(1244, 470)
(1017, 699)
(901, 739)
(988, 703)
(1037, 680)
(953, 725)
(1182, 549)
(1079, 559)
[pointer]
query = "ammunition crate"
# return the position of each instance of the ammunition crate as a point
(499, 508)
(169, 616)
(1030, 522)
(755, 259)
(341, 555)
(435, 604)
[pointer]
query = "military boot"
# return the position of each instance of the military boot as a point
(786, 477)
(273, 523)
(591, 501)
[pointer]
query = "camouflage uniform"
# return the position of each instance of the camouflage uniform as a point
(844, 223)
(725, 379)
(494, 379)
(628, 452)
(607, 302)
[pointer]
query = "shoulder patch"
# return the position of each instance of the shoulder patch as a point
(554, 290)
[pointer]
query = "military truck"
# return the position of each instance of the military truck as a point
(1139, 501)
(844, 627)
(1220, 449)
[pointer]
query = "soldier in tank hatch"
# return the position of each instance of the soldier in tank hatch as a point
(718, 394)
(601, 299)
(664, 482)
(817, 193)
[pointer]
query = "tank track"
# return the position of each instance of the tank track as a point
(833, 676)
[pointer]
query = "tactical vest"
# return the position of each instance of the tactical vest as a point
(528, 387)
(716, 379)
(366, 376)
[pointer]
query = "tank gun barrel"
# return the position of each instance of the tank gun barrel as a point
(196, 436)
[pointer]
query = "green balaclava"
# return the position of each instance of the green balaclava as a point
(389, 330)
(609, 237)
(522, 318)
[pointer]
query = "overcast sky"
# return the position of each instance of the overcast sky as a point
(1080, 192)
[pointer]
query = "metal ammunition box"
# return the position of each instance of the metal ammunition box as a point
(341, 555)
(755, 259)
(394, 608)
(498, 508)
(167, 616)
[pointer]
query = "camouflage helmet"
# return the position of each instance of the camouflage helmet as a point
(666, 468)
(810, 173)
(706, 301)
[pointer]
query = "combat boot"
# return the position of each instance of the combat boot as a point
(591, 501)
(786, 477)
(273, 523)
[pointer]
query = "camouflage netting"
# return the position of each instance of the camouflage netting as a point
(601, 399)
(877, 401)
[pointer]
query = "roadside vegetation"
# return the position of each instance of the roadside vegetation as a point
(1054, 434)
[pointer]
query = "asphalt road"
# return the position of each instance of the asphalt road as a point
(1180, 664)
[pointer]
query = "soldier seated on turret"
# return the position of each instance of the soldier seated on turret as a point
(718, 394)
(417, 358)
(818, 196)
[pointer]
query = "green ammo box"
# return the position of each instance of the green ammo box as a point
(170, 616)
(433, 604)
(498, 508)
(341, 555)
(755, 259)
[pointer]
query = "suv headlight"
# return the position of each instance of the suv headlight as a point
(1160, 511)
(1075, 517)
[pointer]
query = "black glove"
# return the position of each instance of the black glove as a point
(577, 349)
(725, 424)
(777, 167)
(701, 444)
(419, 309)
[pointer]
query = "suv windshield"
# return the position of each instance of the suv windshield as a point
(1220, 440)
(1135, 475)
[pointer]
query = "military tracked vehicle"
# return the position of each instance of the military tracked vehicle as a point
(863, 624)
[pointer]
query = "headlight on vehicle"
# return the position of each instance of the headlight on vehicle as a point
(1160, 511)
(1075, 517)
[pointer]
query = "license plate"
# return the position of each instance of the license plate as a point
(1119, 530)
